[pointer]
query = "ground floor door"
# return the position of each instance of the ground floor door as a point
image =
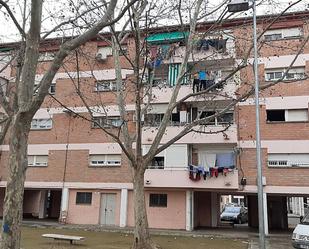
(108, 206)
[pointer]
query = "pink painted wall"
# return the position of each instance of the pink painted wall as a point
(171, 217)
(32, 202)
(90, 214)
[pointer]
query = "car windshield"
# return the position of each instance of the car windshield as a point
(232, 209)
(305, 220)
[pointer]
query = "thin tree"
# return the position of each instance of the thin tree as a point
(24, 105)
(131, 144)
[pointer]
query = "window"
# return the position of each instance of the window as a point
(275, 115)
(46, 56)
(160, 76)
(274, 75)
(288, 160)
(293, 74)
(106, 86)
(225, 118)
(158, 200)
(105, 160)
(296, 115)
(51, 90)
(83, 198)
(153, 119)
(107, 122)
(157, 162)
(123, 50)
(37, 161)
(277, 34)
(175, 119)
(290, 115)
(41, 124)
(205, 114)
(273, 37)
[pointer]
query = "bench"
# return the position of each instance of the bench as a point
(63, 237)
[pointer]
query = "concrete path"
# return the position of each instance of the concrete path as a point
(272, 243)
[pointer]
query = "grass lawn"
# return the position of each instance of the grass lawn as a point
(32, 239)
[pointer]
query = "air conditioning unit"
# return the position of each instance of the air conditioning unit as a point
(100, 57)
(103, 53)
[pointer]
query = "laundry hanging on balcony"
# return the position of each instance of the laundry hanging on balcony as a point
(225, 160)
(197, 172)
(212, 165)
(158, 53)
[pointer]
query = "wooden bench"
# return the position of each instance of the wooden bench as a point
(63, 237)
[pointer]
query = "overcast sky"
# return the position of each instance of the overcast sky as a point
(8, 31)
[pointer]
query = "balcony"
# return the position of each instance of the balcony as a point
(228, 137)
(157, 178)
(204, 51)
(163, 92)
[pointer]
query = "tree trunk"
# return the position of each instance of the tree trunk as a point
(142, 238)
(13, 202)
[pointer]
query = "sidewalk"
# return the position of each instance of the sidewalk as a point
(272, 243)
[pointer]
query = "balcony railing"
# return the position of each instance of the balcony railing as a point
(180, 179)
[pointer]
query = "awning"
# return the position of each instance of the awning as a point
(167, 37)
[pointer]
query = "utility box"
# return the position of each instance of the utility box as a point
(238, 5)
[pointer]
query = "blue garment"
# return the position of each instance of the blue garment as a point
(201, 169)
(6, 228)
(226, 160)
(157, 62)
(202, 75)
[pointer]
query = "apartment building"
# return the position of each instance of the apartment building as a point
(77, 174)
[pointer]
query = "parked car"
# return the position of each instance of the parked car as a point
(300, 238)
(234, 214)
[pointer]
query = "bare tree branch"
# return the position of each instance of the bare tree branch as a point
(12, 16)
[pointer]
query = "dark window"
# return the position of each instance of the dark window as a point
(158, 200)
(83, 197)
(175, 118)
(208, 114)
(275, 115)
(153, 119)
(226, 118)
(194, 113)
(273, 37)
(157, 162)
(52, 89)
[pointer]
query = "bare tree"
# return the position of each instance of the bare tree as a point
(142, 81)
(21, 105)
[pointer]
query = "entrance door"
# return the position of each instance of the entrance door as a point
(108, 206)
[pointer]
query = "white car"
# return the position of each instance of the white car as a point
(300, 238)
